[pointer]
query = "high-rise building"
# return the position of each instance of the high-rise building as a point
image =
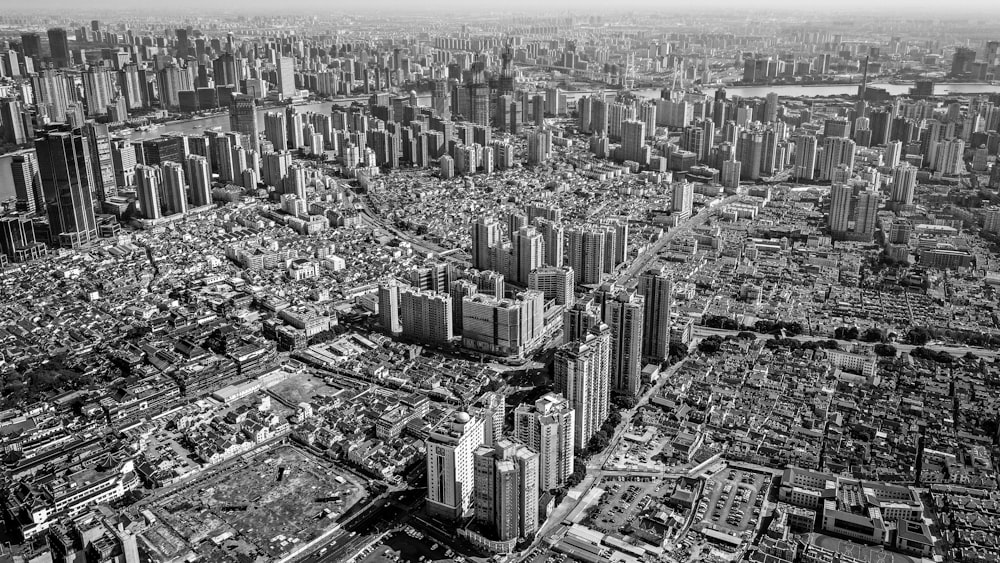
(506, 489)
(840, 208)
(17, 238)
(97, 90)
(31, 45)
(450, 465)
(582, 370)
(276, 130)
(493, 405)
(174, 189)
(388, 307)
(656, 288)
(682, 199)
(501, 326)
(837, 151)
(67, 179)
(276, 166)
(27, 182)
(731, 174)
(99, 142)
(555, 283)
(485, 236)
(148, 180)
(199, 177)
(59, 47)
(805, 157)
(51, 89)
(13, 125)
(904, 181)
(425, 315)
(864, 220)
(286, 77)
(243, 118)
(893, 154)
(633, 141)
(548, 427)
(587, 253)
(528, 246)
(553, 236)
(624, 313)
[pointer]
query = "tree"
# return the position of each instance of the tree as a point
(918, 336)
(885, 350)
(745, 335)
(710, 345)
(873, 335)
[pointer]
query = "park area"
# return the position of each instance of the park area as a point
(258, 508)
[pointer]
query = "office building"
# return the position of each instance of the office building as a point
(101, 160)
(59, 47)
(624, 314)
(286, 77)
(548, 427)
(582, 371)
(27, 182)
(451, 465)
(243, 118)
(506, 489)
(14, 128)
(66, 173)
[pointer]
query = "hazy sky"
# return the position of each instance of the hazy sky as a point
(908, 7)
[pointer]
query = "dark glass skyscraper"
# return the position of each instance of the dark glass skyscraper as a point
(59, 47)
(67, 180)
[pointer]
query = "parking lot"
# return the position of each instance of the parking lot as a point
(622, 502)
(732, 501)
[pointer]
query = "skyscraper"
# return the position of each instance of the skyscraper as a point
(50, 89)
(633, 141)
(506, 489)
(528, 246)
(485, 236)
(199, 177)
(656, 289)
(805, 157)
(174, 188)
(99, 142)
(148, 179)
(59, 47)
(13, 125)
(548, 427)
(864, 221)
(243, 119)
(837, 151)
(425, 315)
(27, 182)
(682, 199)
(904, 181)
(286, 77)
(624, 313)
(840, 208)
(582, 374)
(97, 90)
(67, 178)
(388, 307)
(587, 253)
(450, 465)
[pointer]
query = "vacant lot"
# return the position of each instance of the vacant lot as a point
(272, 502)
